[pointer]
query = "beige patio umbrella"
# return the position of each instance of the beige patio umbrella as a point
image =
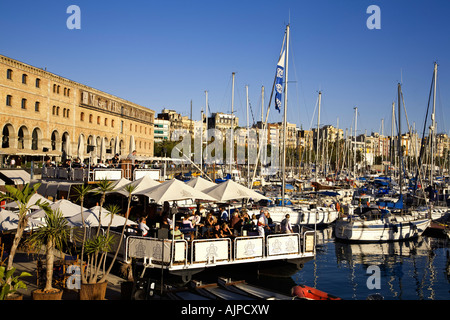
(141, 184)
(174, 190)
(67, 208)
(9, 221)
(92, 218)
(230, 190)
(200, 183)
(34, 198)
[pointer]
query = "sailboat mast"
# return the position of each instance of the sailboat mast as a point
(248, 141)
(433, 125)
(285, 115)
(232, 129)
(400, 151)
(206, 120)
(354, 149)
(318, 138)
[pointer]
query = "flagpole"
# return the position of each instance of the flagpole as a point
(232, 127)
(264, 125)
(285, 114)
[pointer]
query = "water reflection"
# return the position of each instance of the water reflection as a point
(417, 269)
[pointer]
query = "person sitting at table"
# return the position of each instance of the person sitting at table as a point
(286, 226)
(143, 228)
(236, 223)
(187, 224)
(177, 234)
(209, 224)
(226, 231)
(217, 231)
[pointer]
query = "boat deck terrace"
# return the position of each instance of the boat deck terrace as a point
(191, 256)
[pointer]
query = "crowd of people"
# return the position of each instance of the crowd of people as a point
(212, 224)
(113, 162)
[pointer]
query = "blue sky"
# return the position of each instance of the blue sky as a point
(166, 53)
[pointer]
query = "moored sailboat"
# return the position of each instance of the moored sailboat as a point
(382, 224)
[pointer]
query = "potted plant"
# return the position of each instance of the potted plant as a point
(10, 284)
(22, 198)
(93, 277)
(53, 235)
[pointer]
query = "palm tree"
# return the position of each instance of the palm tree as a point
(53, 235)
(103, 187)
(98, 247)
(82, 191)
(22, 198)
(129, 189)
(102, 244)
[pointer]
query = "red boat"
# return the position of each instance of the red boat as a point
(309, 293)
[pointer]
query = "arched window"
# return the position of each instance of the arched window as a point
(82, 116)
(6, 134)
(112, 123)
(98, 119)
(65, 140)
(68, 92)
(20, 139)
(57, 111)
(35, 139)
(55, 140)
(68, 113)
(90, 118)
(54, 88)
(57, 89)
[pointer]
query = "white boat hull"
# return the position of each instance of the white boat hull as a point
(303, 216)
(378, 230)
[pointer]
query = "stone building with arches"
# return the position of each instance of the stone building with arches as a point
(42, 113)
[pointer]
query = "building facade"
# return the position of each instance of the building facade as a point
(45, 114)
(161, 130)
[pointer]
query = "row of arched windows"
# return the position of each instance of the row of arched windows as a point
(57, 88)
(91, 120)
(65, 111)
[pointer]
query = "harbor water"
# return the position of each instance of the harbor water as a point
(418, 269)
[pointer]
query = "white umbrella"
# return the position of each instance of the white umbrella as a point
(93, 153)
(80, 150)
(117, 146)
(103, 150)
(230, 190)
(67, 208)
(132, 144)
(200, 183)
(174, 190)
(33, 199)
(9, 221)
(141, 184)
(92, 218)
(116, 185)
